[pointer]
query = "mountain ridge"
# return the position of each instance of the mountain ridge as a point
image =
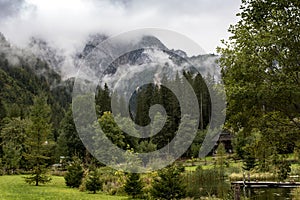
(67, 66)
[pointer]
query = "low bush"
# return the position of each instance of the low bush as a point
(93, 182)
(74, 174)
(169, 184)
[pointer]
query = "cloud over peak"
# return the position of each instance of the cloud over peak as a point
(68, 23)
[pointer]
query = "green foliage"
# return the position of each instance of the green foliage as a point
(282, 167)
(113, 181)
(197, 143)
(19, 84)
(147, 146)
(11, 158)
(209, 180)
(93, 182)
(221, 154)
(249, 161)
(103, 100)
(187, 126)
(111, 129)
(37, 140)
(74, 173)
(39, 176)
(2, 112)
(13, 135)
(284, 170)
(261, 74)
(127, 124)
(69, 143)
(169, 184)
(134, 185)
(139, 105)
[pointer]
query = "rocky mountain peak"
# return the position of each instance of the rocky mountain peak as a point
(92, 41)
(3, 41)
(180, 53)
(152, 42)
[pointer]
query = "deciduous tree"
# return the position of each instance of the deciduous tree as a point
(260, 66)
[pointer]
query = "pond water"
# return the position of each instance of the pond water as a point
(207, 183)
(268, 193)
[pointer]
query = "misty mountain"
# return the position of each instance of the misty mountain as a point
(24, 75)
(140, 54)
(21, 58)
(91, 61)
(45, 52)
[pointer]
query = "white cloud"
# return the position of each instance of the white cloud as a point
(67, 23)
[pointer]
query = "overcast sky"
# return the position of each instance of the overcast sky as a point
(66, 23)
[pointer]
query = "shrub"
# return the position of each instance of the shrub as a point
(112, 181)
(74, 174)
(134, 185)
(93, 182)
(169, 184)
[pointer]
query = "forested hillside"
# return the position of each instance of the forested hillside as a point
(20, 83)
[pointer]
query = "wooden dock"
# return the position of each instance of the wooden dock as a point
(266, 184)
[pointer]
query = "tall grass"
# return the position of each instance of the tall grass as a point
(206, 183)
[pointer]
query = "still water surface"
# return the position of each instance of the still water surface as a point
(268, 193)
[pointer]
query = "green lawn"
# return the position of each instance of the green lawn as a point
(210, 164)
(14, 187)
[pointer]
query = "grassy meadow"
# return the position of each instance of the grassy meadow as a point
(14, 188)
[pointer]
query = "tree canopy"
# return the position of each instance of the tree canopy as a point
(261, 71)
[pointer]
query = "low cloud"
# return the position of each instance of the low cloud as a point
(67, 23)
(10, 8)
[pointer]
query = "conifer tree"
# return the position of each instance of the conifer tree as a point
(13, 135)
(69, 142)
(169, 185)
(134, 185)
(37, 140)
(93, 182)
(74, 174)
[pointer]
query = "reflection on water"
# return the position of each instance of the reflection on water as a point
(268, 193)
(209, 182)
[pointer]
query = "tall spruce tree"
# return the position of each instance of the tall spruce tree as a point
(37, 139)
(103, 100)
